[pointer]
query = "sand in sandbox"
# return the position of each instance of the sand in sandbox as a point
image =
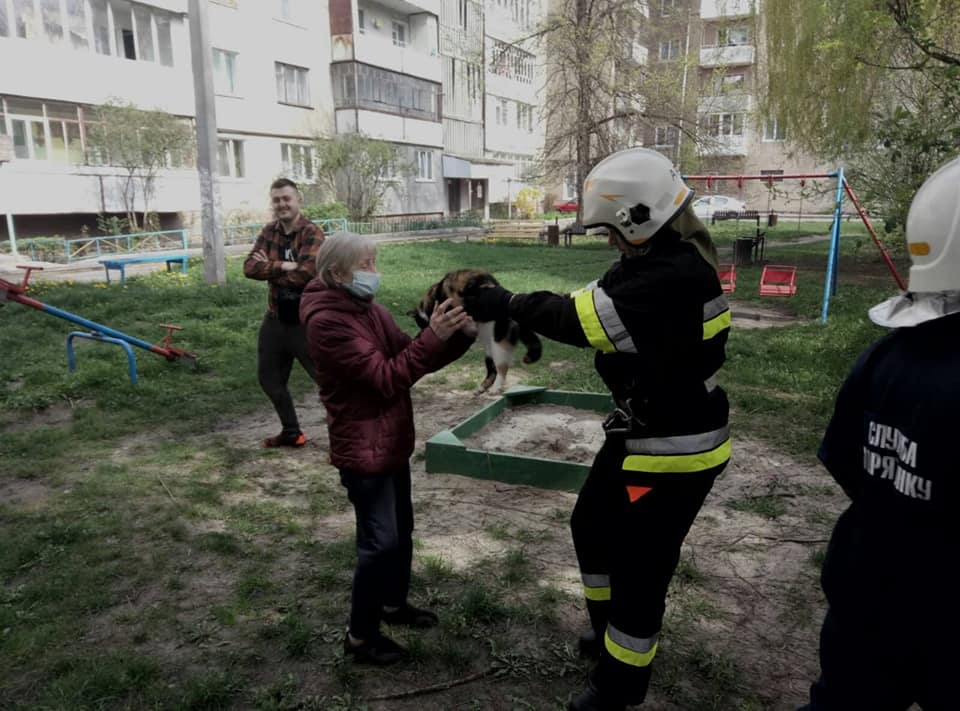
(555, 432)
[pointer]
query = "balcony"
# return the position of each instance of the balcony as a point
(727, 56)
(380, 52)
(721, 9)
(389, 127)
(413, 7)
(731, 103)
(724, 146)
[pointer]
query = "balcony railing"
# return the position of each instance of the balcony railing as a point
(727, 56)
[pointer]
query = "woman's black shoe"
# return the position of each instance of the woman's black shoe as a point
(409, 616)
(379, 650)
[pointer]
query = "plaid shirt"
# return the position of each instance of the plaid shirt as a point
(299, 246)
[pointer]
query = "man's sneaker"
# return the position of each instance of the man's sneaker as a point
(380, 650)
(286, 439)
(410, 616)
(589, 645)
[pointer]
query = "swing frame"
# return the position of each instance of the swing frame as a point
(833, 259)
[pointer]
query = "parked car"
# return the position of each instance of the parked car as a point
(709, 204)
(565, 206)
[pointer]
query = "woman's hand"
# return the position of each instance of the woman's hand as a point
(447, 319)
(469, 328)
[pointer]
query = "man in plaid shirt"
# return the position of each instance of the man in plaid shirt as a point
(284, 255)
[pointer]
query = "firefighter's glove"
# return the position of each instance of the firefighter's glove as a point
(487, 303)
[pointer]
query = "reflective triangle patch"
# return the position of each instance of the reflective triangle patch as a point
(635, 492)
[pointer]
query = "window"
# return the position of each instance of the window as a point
(399, 34)
(41, 131)
(733, 36)
(425, 165)
(570, 186)
(225, 72)
(51, 20)
(724, 124)
(668, 7)
(773, 131)
(502, 113)
(669, 49)
(230, 157)
(361, 23)
(164, 41)
(287, 9)
(728, 84)
(297, 161)
(24, 19)
(509, 61)
(101, 26)
(5, 21)
(292, 86)
(123, 27)
(144, 29)
(363, 86)
(665, 136)
(77, 24)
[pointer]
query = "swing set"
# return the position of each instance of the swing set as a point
(833, 259)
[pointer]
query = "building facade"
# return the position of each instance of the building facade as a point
(421, 74)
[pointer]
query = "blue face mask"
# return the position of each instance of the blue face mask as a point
(364, 285)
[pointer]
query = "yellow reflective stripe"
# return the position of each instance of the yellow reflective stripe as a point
(596, 594)
(590, 322)
(712, 327)
(678, 463)
(631, 656)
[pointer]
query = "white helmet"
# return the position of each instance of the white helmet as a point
(933, 232)
(635, 192)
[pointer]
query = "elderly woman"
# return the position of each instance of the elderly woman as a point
(367, 366)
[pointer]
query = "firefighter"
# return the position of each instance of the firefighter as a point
(658, 321)
(889, 638)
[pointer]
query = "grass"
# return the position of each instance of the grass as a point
(156, 570)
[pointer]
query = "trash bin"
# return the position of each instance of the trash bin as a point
(553, 235)
(743, 251)
(772, 219)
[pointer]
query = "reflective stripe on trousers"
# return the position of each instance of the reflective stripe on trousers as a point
(635, 651)
(680, 454)
(596, 587)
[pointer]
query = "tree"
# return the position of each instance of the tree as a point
(872, 84)
(600, 97)
(142, 143)
(358, 171)
(832, 62)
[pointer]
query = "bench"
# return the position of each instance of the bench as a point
(728, 278)
(122, 263)
(778, 280)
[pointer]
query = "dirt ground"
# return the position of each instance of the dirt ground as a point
(757, 583)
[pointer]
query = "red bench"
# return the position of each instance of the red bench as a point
(728, 278)
(778, 280)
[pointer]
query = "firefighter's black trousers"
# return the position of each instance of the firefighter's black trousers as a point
(890, 637)
(633, 547)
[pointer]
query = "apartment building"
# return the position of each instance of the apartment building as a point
(454, 84)
(514, 84)
(386, 75)
(272, 96)
(720, 44)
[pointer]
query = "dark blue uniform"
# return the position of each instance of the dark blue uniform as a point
(891, 636)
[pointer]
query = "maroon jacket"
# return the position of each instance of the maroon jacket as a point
(367, 366)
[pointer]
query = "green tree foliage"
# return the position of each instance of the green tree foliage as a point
(358, 171)
(139, 141)
(873, 84)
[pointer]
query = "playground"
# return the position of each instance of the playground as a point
(156, 557)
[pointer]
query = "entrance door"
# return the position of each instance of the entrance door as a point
(453, 196)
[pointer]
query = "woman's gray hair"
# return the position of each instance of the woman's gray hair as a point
(340, 252)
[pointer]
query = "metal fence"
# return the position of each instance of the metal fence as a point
(246, 234)
(64, 251)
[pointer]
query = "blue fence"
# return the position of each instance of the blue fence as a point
(64, 251)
